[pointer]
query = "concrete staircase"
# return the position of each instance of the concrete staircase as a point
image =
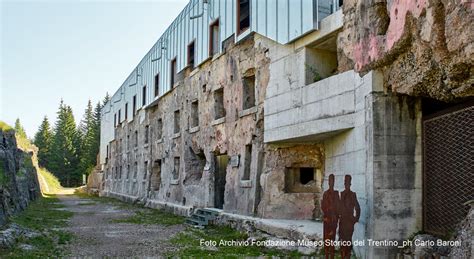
(202, 218)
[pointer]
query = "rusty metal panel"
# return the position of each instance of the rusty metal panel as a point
(448, 168)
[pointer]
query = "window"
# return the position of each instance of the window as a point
(145, 170)
(243, 15)
(128, 142)
(135, 170)
(147, 133)
(120, 173)
(304, 179)
(159, 129)
(115, 120)
(191, 54)
(126, 111)
(128, 172)
(248, 92)
(157, 85)
(136, 138)
(176, 168)
(134, 104)
(214, 38)
(177, 128)
(119, 117)
(173, 72)
(248, 162)
(195, 114)
(219, 110)
(144, 95)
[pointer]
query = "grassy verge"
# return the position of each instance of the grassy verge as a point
(52, 182)
(189, 242)
(44, 217)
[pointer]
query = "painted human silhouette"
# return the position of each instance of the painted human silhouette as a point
(347, 207)
(330, 208)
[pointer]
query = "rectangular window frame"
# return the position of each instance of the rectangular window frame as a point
(213, 50)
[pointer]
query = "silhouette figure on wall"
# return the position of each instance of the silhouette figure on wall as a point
(339, 210)
(348, 205)
(330, 208)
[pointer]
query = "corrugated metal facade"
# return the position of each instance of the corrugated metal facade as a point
(280, 20)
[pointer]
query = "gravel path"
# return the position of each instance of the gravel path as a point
(97, 236)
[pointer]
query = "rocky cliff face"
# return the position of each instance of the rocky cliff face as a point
(424, 47)
(18, 176)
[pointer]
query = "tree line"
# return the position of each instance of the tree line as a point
(66, 149)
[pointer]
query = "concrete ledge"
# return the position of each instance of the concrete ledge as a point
(194, 129)
(176, 209)
(246, 183)
(248, 111)
(218, 121)
(281, 228)
(311, 130)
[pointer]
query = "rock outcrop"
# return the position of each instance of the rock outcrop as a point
(424, 47)
(18, 176)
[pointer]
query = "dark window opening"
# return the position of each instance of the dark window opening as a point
(248, 162)
(136, 138)
(155, 180)
(306, 175)
(219, 109)
(214, 38)
(145, 174)
(191, 54)
(147, 133)
(177, 127)
(128, 172)
(173, 72)
(134, 103)
(128, 142)
(243, 15)
(176, 168)
(115, 120)
(120, 173)
(157, 85)
(195, 114)
(126, 111)
(248, 92)
(302, 180)
(144, 95)
(159, 129)
(135, 170)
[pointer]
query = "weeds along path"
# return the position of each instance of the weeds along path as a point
(107, 228)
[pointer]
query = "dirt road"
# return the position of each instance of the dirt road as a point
(97, 235)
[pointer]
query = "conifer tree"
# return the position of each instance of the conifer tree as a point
(19, 130)
(43, 140)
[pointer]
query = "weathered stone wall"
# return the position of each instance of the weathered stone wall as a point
(197, 147)
(424, 47)
(18, 177)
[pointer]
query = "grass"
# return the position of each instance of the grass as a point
(45, 217)
(52, 181)
(189, 242)
(5, 127)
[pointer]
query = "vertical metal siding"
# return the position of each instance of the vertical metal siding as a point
(279, 20)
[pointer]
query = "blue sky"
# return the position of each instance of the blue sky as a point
(75, 50)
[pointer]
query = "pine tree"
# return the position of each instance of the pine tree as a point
(64, 155)
(87, 131)
(19, 130)
(43, 140)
